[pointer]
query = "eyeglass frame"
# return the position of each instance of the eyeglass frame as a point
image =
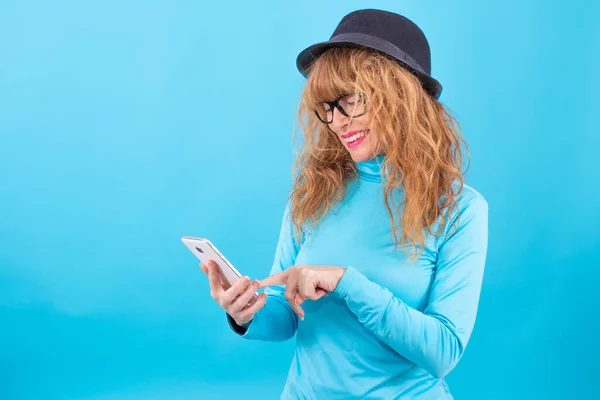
(335, 103)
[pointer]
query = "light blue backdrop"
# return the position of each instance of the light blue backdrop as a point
(125, 125)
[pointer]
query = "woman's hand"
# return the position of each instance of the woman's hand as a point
(234, 300)
(305, 282)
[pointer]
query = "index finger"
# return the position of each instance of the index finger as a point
(203, 268)
(214, 278)
(278, 279)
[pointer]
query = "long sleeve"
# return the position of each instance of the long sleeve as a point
(434, 339)
(276, 321)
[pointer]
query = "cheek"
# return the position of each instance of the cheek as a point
(373, 139)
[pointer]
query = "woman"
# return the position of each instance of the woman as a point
(381, 252)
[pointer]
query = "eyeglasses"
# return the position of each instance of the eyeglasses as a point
(350, 104)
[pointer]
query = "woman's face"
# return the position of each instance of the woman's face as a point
(357, 137)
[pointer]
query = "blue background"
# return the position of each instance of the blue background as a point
(118, 136)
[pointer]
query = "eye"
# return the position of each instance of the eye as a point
(352, 99)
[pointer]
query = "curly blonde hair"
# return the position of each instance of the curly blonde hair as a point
(418, 136)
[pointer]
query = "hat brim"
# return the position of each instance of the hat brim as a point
(307, 56)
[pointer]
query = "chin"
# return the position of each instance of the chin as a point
(364, 152)
(359, 156)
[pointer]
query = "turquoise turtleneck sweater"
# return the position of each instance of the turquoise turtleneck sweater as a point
(391, 329)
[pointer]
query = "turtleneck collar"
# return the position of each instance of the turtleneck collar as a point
(370, 170)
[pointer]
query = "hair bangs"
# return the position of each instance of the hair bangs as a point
(333, 75)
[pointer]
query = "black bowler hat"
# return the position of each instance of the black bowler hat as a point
(384, 31)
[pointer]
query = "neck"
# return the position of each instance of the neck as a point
(370, 170)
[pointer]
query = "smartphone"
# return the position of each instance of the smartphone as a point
(205, 251)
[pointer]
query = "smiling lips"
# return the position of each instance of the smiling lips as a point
(354, 138)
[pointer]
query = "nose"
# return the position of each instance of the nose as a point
(340, 121)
